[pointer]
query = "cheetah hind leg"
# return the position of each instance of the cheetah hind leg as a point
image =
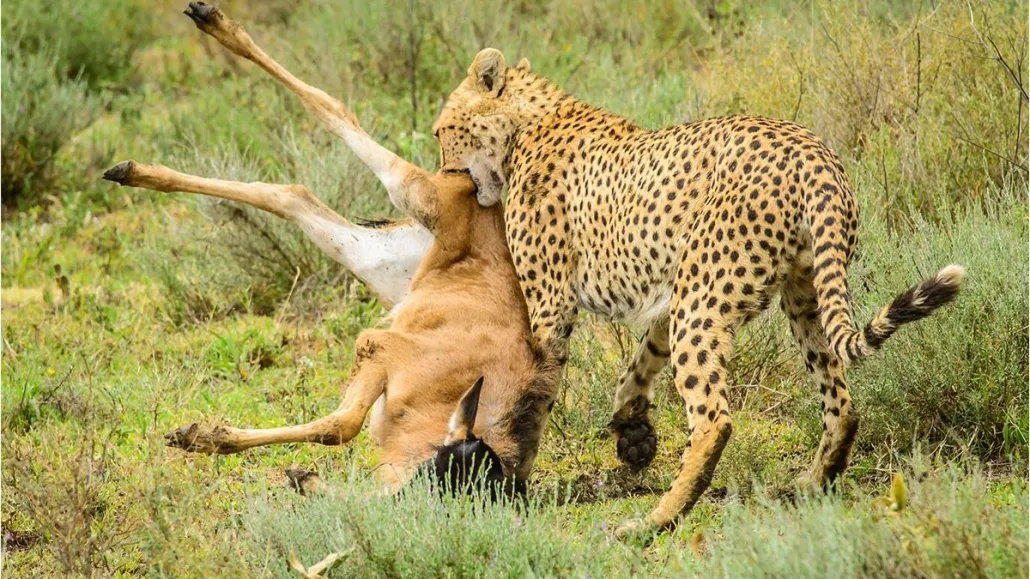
(840, 420)
(636, 439)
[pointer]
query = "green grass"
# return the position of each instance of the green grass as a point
(127, 313)
(953, 522)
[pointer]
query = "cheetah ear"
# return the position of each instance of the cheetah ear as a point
(487, 70)
(523, 65)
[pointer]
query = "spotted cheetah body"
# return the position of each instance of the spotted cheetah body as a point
(633, 197)
(689, 230)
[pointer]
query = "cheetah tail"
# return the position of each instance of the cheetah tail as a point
(913, 304)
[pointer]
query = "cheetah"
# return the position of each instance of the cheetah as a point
(689, 231)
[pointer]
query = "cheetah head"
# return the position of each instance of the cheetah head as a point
(479, 120)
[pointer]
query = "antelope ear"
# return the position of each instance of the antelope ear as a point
(464, 418)
(488, 69)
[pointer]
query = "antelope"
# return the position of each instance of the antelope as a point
(457, 382)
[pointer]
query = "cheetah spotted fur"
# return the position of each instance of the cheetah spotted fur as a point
(690, 231)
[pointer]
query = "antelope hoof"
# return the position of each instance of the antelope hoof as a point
(202, 14)
(120, 173)
(637, 530)
(305, 482)
(193, 438)
(637, 443)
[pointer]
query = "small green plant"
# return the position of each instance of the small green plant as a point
(234, 357)
(67, 500)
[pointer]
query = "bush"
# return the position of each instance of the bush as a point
(57, 56)
(42, 109)
(89, 40)
(416, 535)
(954, 525)
(957, 378)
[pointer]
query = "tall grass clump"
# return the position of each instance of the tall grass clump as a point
(951, 523)
(419, 534)
(943, 522)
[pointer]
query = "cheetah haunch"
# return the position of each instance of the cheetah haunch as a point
(456, 379)
(690, 230)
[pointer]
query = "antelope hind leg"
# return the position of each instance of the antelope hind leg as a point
(385, 258)
(410, 188)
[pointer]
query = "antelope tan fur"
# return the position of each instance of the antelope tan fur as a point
(435, 269)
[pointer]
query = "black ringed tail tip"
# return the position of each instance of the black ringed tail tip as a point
(914, 304)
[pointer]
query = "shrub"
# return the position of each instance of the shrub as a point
(61, 492)
(955, 524)
(957, 378)
(417, 534)
(57, 55)
(42, 109)
(89, 40)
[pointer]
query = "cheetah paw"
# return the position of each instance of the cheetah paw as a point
(637, 443)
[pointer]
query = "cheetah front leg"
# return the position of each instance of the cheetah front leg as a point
(538, 236)
(636, 439)
(705, 316)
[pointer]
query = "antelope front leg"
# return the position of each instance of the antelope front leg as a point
(337, 428)
(409, 187)
(384, 258)
(368, 382)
